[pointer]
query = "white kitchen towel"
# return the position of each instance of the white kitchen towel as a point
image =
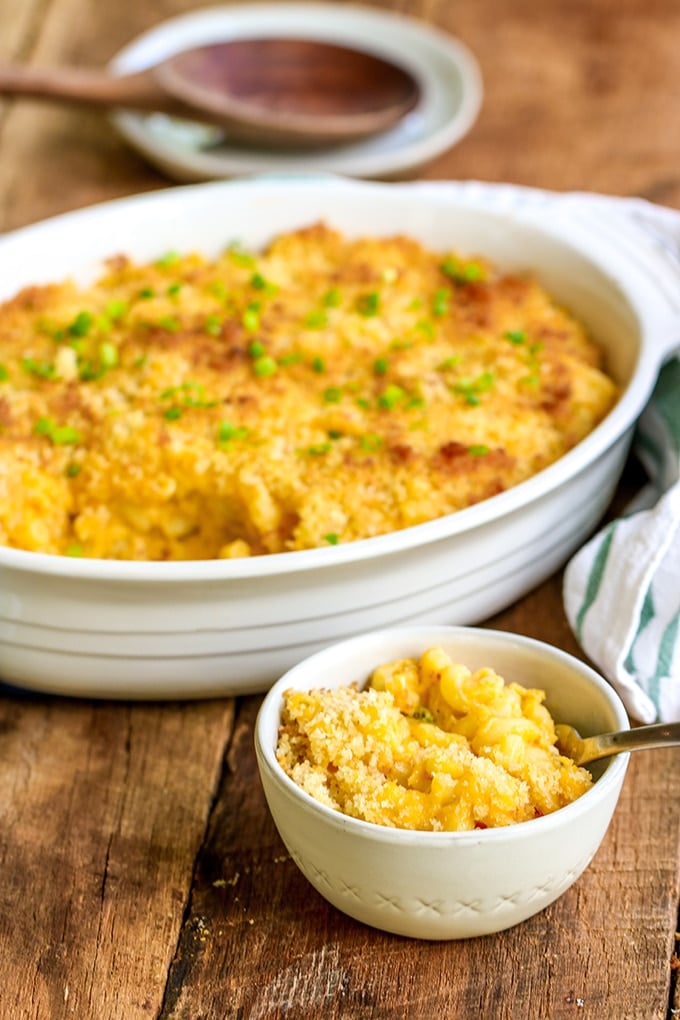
(622, 589)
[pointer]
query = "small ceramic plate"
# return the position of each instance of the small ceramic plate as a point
(448, 74)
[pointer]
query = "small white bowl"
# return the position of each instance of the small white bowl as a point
(446, 885)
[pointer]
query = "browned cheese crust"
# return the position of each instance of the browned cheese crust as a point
(321, 391)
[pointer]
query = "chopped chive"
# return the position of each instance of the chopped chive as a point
(75, 549)
(319, 449)
(174, 289)
(251, 317)
(43, 426)
(169, 323)
(440, 302)
(448, 363)
(371, 442)
(332, 298)
(380, 366)
(87, 371)
(363, 402)
(478, 449)
(316, 319)
(264, 366)
(516, 336)
(259, 282)
(331, 538)
(192, 394)
(292, 358)
(334, 434)
(332, 395)
(108, 355)
(227, 431)
(368, 304)
(213, 325)
(391, 396)
(140, 361)
(218, 290)
(82, 324)
(4, 374)
(72, 470)
(470, 389)
(425, 327)
(65, 435)
(61, 435)
(43, 369)
(423, 714)
(170, 258)
(318, 364)
(256, 349)
(461, 272)
(173, 413)
(116, 309)
(146, 293)
(239, 256)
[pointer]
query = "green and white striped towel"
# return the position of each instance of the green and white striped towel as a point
(622, 589)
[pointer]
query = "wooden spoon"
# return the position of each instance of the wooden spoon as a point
(274, 91)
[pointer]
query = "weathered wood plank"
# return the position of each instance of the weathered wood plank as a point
(259, 942)
(103, 810)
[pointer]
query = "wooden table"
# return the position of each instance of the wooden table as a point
(141, 873)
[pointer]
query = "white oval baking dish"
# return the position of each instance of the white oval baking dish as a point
(197, 629)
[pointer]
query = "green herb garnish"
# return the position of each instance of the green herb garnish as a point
(82, 324)
(368, 304)
(371, 442)
(60, 435)
(43, 369)
(391, 396)
(227, 431)
(332, 298)
(461, 272)
(440, 302)
(264, 366)
(316, 319)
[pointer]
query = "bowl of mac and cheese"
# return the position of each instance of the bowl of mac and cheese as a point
(414, 777)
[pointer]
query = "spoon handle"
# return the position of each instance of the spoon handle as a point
(95, 88)
(657, 735)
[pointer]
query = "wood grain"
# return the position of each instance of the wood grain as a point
(142, 875)
(104, 808)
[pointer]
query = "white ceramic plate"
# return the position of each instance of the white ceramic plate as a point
(163, 630)
(448, 73)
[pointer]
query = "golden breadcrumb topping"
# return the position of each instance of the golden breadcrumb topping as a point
(324, 390)
(429, 745)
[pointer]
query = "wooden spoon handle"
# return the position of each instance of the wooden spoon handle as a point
(95, 88)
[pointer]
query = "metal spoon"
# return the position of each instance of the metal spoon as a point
(586, 749)
(274, 91)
